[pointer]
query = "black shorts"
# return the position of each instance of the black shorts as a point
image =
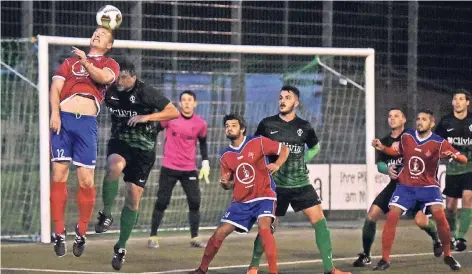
(383, 199)
(456, 184)
(188, 180)
(299, 198)
(138, 162)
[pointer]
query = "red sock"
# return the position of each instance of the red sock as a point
(85, 202)
(211, 249)
(58, 201)
(388, 234)
(443, 231)
(270, 249)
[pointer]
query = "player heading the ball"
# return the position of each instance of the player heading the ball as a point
(245, 170)
(77, 90)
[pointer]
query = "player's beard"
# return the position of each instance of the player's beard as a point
(285, 112)
(232, 137)
(421, 131)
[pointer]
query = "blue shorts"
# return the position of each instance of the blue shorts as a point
(77, 140)
(406, 197)
(244, 215)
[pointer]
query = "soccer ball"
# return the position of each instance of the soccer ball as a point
(109, 17)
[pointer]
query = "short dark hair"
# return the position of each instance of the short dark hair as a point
(462, 91)
(292, 89)
(128, 67)
(240, 119)
(189, 92)
(399, 109)
(427, 111)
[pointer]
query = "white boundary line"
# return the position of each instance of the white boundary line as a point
(220, 267)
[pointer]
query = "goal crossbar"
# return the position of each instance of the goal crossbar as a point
(43, 79)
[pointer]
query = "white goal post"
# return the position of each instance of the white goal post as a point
(44, 83)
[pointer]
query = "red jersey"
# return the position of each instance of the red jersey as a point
(421, 158)
(248, 167)
(77, 80)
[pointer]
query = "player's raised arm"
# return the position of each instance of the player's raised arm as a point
(168, 113)
(110, 71)
(105, 76)
(391, 151)
(387, 150)
(448, 151)
(154, 99)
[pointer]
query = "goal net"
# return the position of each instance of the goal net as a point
(337, 97)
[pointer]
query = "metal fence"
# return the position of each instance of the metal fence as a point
(423, 53)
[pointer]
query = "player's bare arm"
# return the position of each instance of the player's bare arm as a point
(377, 144)
(396, 146)
(392, 151)
(168, 113)
(225, 181)
(54, 100)
(274, 167)
(457, 157)
(102, 76)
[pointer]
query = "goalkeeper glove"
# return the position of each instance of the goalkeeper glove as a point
(205, 171)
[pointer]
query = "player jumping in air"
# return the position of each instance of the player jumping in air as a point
(388, 165)
(422, 151)
(179, 165)
(457, 129)
(254, 197)
(77, 90)
(293, 186)
(135, 109)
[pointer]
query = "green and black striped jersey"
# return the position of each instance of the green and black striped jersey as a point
(295, 134)
(123, 105)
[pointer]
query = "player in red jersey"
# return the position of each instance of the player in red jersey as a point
(422, 151)
(77, 90)
(245, 170)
